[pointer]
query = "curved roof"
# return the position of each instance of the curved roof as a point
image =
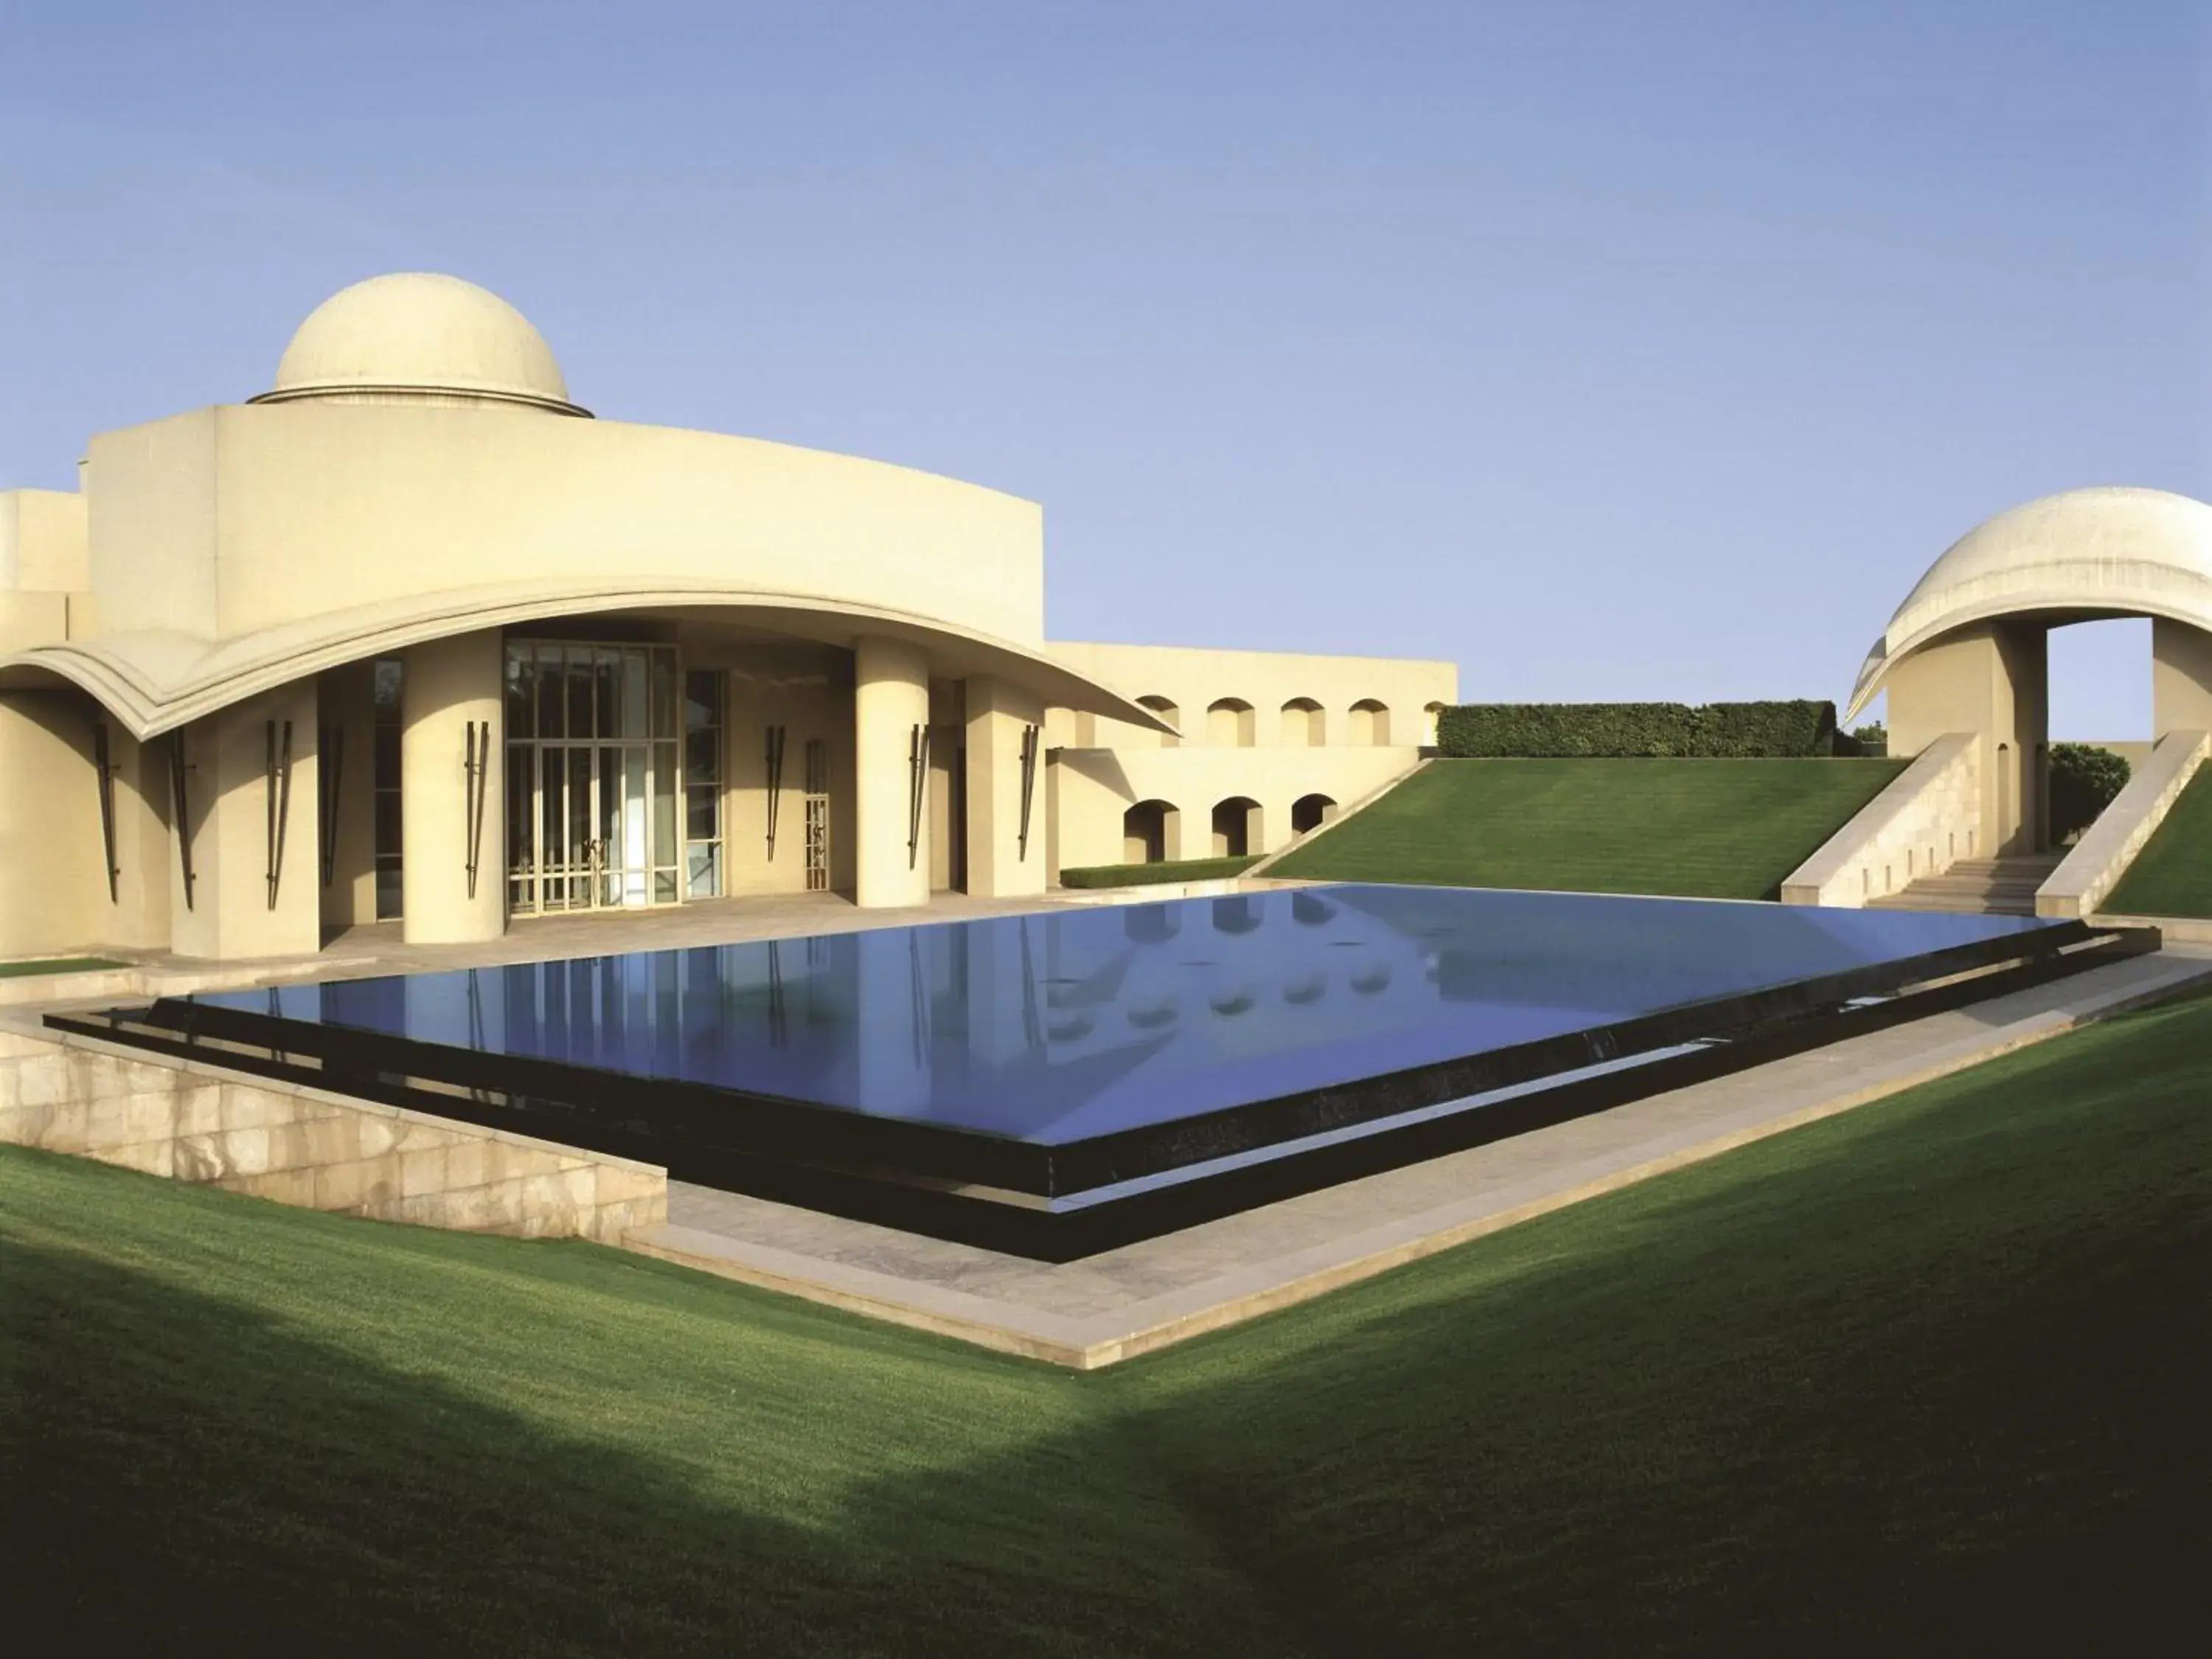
(419, 337)
(156, 681)
(2113, 550)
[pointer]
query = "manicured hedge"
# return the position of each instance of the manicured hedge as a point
(1143, 875)
(1741, 731)
(2084, 779)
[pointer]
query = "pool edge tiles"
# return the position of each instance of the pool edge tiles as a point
(1057, 1201)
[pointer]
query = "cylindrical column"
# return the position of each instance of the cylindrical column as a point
(453, 793)
(891, 829)
(1006, 838)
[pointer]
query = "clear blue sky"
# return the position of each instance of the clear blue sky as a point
(1613, 350)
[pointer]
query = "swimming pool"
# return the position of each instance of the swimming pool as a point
(1056, 1082)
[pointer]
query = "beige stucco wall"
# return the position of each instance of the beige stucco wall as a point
(231, 565)
(1990, 679)
(230, 912)
(448, 686)
(890, 699)
(346, 706)
(232, 519)
(807, 689)
(1001, 863)
(52, 894)
(2181, 678)
(1193, 679)
(43, 546)
(1093, 788)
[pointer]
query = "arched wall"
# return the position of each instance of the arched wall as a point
(200, 522)
(1092, 791)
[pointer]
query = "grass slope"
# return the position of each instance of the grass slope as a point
(2172, 874)
(1705, 828)
(1927, 1377)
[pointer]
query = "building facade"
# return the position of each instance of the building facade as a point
(412, 638)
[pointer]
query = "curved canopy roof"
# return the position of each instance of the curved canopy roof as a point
(154, 682)
(2111, 551)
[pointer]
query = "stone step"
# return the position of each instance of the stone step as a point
(1978, 887)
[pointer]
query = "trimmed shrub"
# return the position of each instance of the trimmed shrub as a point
(2084, 779)
(1870, 742)
(1547, 731)
(1143, 875)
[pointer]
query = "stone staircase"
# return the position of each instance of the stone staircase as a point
(2002, 887)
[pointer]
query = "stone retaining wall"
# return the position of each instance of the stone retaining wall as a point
(194, 1122)
(2124, 828)
(1926, 820)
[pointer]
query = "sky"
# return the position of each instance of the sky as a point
(1609, 350)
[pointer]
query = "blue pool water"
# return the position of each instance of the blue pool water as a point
(1056, 1027)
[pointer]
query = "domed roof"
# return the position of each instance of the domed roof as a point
(417, 337)
(2114, 550)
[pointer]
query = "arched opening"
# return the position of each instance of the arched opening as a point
(1432, 714)
(1149, 832)
(1370, 723)
(1229, 723)
(1237, 828)
(1304, 724)
(1310, 812)
(1167, 711)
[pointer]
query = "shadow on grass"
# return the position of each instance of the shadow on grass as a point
(179, 1471)
(1927, 1377)
(1942, 1392)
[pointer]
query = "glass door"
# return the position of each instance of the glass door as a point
(593, 777)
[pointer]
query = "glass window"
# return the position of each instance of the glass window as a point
(632, 705)
(387, 682)
(521, 696)
(703, 870)
(579, 690)
(703, 690)
(703, 699)
(552, 693)
(664, 804)
(664, 691)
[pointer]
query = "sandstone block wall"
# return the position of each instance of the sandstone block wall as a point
(1926, 822)
(305, 1147)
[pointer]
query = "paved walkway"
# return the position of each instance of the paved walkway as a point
(1145, 1295)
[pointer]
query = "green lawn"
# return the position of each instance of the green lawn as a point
(1927, 1377)
(2172, 874)
(57, 965)
(1705, 828)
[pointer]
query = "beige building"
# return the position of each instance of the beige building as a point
(410, 637)
(1967, 652)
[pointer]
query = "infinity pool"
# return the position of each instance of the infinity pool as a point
(1055, 1059)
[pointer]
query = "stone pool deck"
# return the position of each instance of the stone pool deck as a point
(1148, 1296)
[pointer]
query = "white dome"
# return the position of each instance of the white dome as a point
(417, 337)
(2114, 550)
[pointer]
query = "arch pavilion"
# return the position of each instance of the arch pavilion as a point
(1966, 653)
(410, 637)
